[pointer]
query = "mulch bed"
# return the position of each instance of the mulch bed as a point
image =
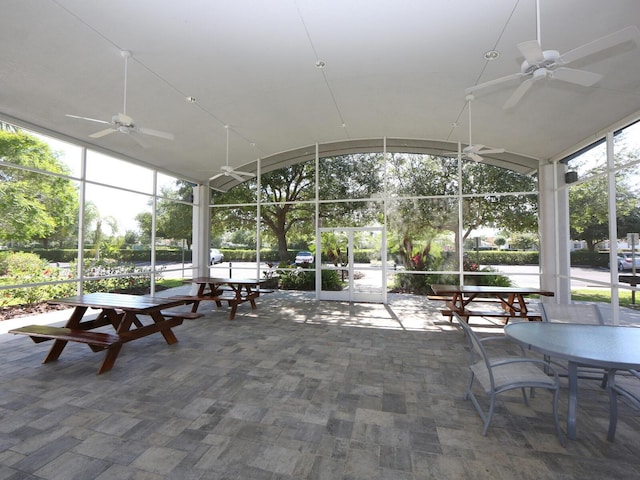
(7, 313)
(16, 311)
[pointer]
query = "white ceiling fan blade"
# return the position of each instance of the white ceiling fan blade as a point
(481, 150)
(87, 118)
(218, 175)
(236, 176)
(156, 133)
(602, 43)
(518, 94)
(246, 174)
(472, 148)
(102, 133)
(579, 77)
(531, 51)
(490, 83)
(133, 134)
(490, 151)
(474, 156)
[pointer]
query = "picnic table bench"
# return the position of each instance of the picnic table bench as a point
(120, 311)
(510, 301)
(234, 291)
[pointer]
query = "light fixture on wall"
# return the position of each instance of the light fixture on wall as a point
(571, 177)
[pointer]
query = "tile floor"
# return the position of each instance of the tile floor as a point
(296, 389)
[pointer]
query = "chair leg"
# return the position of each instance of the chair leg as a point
(613, 413)
(524, 396)
(469, 386)
(556, 394)
(492, 404)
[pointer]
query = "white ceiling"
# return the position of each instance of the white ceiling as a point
(395, 70)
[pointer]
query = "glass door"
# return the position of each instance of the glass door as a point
(358, 257)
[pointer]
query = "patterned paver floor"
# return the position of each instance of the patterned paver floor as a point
(296, 389)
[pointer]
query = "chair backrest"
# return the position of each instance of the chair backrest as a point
(585, 313)
(475, 345)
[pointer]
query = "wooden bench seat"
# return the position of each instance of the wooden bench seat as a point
(42, 333)
(479, 313)
(202, 298)
(491, 314)
(182, 315)
(439, 298)
(448, 298)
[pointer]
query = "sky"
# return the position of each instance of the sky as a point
(122, 205)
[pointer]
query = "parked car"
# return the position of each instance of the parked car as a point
(625, 261)
(215, 256)
(304, 257)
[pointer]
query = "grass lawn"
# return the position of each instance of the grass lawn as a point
(170, 283)
(604, 296)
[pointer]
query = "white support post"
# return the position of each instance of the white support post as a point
(555, 260)
(201, 230)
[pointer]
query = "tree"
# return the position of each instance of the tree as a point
(499, 241)
(34, 206)
(588, 210)
(525, 241)
(588, 206)
(174, 217)
(417, 223)
(284, 191)
(144, 220)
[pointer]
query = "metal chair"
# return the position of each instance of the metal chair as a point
(588, 313)
(628, 386)
(503, 373)
(582, 313)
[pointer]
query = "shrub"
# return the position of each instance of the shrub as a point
(126, 277)
(297, 278)
(21, 268)
(421, 284)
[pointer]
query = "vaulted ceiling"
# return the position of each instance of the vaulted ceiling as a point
(285, 75)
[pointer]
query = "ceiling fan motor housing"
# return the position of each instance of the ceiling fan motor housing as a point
(550, 58)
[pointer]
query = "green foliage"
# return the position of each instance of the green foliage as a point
(504, 257)
(420, 284)
(488, 280)
(20, 263)
(588, 206)
(589, 259)
(343, 177)
(174, 213)
(298, 278)
(33, 205)
(128, 277)
(524, 241)
(20, 268)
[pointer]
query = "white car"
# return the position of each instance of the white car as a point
(625, 261)
(215, 256)
(304, 257)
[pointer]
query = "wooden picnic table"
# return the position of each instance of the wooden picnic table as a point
(120, 311)
(510, 301)
(234, 291)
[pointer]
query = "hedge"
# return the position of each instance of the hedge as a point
(486, 257)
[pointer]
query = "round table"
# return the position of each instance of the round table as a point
(606, 346)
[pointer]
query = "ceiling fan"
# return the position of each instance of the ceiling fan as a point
(229, 171)
(122, 122)
(471, 151)
(541, 64)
